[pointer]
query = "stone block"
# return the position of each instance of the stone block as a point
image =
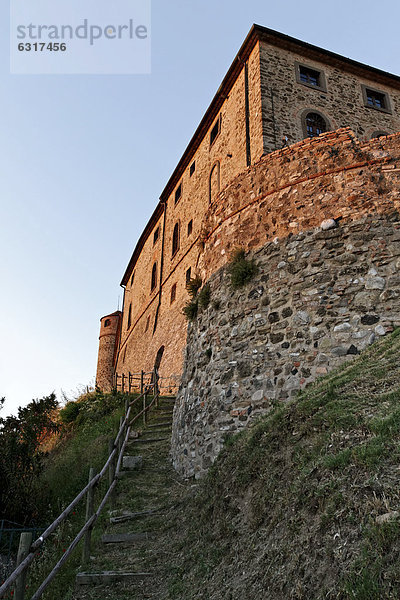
(130, 463)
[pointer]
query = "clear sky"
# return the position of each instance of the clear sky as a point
(85, 158)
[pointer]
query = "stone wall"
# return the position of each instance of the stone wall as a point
(320, 297)
(296, 188)
(341, 104)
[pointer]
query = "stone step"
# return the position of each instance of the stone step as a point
(158, 423)
(153, 431)
(147, 440)
(130, 463)
(109, 577)
(125, 538)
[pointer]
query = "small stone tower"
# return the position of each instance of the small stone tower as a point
(108, 348)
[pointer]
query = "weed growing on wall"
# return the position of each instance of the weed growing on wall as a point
(198, 299)
(205, 296)
(241, 269)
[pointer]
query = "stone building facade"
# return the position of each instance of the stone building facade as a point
(277, 92)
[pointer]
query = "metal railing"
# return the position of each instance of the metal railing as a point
(28, 551)
(9, 532)
(137, 382)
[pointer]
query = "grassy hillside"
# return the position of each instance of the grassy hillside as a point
(303, 505)
(83, 443)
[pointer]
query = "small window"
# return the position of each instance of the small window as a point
(132, 278)
(154, 277)
(376, 99)
(190, 227)
(173, 293)
(192, 168)
(215, 130)
(156, 235)
(188, 274)
(129, 316)
(147, 324)
(124, 355)
(309, 76)
(178, 193)
(315, 124)
(107, 323)
(313, 78)
(175, 239)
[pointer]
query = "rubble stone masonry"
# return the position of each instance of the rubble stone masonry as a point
(321, 219)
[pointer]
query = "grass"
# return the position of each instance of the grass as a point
(303, 487)
(84, 444)
(241, 269)
(289, 509)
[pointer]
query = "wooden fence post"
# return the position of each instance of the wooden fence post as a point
(123, 382)
(144, 410)
(121, 439)
(25, 542)
(141, 382)
(129, 381)
(89, 513)
(111, 472)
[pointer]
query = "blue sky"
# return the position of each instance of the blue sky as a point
(84, 159)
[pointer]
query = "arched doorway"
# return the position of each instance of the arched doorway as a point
(157, 363)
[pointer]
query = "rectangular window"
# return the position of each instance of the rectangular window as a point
(188, 274)
(178, 193)
(309, 76)
(313, 78)
(192, 168)
(215, 130)
(376, 99)
(156, 235)
(190, 227)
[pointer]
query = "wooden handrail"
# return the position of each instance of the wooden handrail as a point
(125, 425)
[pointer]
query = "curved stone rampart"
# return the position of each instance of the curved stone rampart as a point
(322, 294)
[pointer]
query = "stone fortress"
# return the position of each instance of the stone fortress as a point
(297, 161)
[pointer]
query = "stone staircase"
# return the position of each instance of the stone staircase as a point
(127, 561)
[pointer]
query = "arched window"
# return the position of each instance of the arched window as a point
(129, 316)
(378, 134)
(107, 323)
(173, 293)
(159, 356)
(154, 277)
(175, 239)
(214, 182)
(315, 124)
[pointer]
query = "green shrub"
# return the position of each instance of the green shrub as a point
(241, 270)
(190, 309)
(69, 413)
(205, 296)
(193, 286)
